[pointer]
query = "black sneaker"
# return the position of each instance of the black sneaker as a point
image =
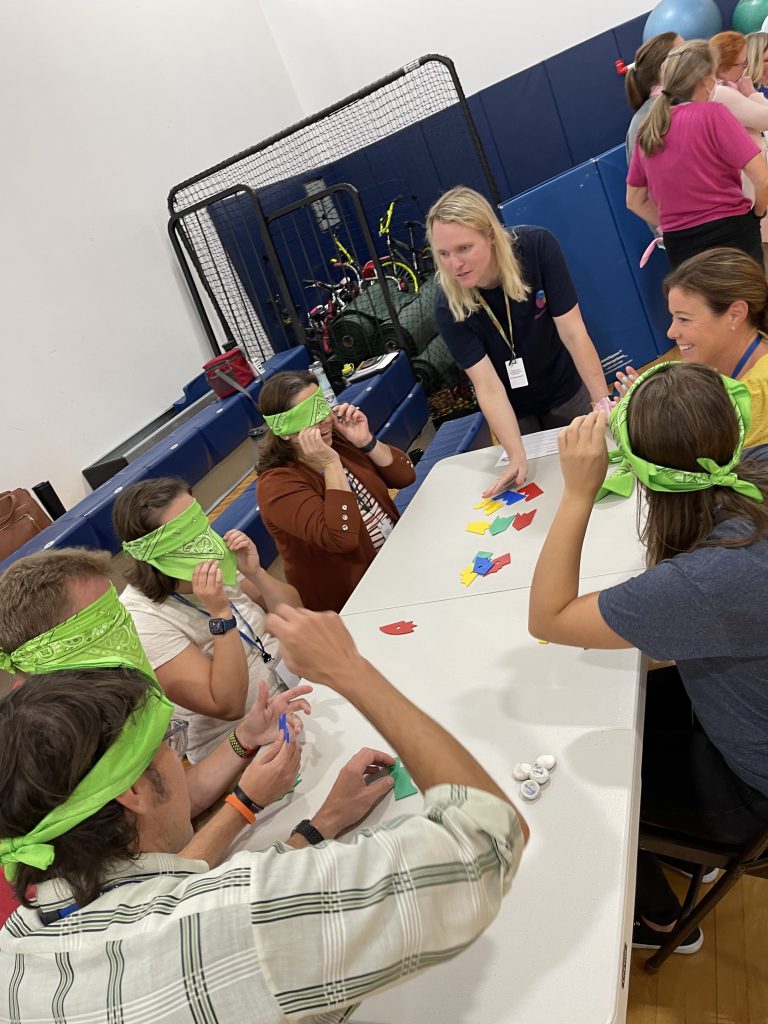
(644, 937)
(685, 867)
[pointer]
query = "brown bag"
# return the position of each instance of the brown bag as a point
(21, 518)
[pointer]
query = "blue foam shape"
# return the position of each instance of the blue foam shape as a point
(509, 497)
(482, 566)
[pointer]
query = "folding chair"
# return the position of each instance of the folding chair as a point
(735, 861)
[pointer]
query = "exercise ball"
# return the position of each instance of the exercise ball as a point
(749, 16)
(691, 19)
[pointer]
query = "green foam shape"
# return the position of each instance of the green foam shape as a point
(500, 524)
(404, 785)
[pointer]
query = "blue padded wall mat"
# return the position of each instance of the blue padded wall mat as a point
(574, 207)
(378, 396)
(523, 118)
(243, 514)
(407, 421)
(635, 236)
(488, 140)
(590, 96)
(629, 37)
(69, 531)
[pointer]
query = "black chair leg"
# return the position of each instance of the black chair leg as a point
(686, 925)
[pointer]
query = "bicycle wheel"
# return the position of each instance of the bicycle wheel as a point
(403, 274)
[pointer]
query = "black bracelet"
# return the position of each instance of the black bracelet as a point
(307, 829)
(369, 447)
(245, 799)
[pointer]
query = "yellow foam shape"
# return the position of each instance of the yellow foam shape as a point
(542, 641)
(478, 527)
(468, 576)
(493, 506)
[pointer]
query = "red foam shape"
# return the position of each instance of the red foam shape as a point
(398, 628)
(523, 519)
(498, 563)
(530, 491)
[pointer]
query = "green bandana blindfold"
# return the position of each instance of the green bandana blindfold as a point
(100, 636)
(178, 547)
(125, 761)
(663, 478)
(311, 411)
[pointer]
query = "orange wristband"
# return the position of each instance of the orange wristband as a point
(232, 800)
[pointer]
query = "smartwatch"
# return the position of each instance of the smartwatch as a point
(221, 626)
(307, 829)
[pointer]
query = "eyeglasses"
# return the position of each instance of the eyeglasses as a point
(176, 736)
(741, 64)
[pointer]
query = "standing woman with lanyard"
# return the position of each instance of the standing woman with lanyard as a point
(509, 314)
(199, 602)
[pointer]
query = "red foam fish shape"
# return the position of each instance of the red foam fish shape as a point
(530, 491)
(523, 519)
(498, 563)
(398, 628)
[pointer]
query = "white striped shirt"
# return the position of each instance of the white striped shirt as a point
(376, 521)
(271, 936)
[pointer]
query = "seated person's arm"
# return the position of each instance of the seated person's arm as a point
(289, 504)
(462, 852)
(258, 584)
(556, 612)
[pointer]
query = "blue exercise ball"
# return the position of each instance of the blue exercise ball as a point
(691, 19)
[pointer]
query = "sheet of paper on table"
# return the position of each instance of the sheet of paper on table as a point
(536, 445)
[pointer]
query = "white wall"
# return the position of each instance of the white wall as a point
(345, 44)
(104, 105)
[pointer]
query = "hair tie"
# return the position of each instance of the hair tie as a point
(667, 94)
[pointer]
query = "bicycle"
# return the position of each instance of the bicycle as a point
(320, 317)
(417, 260)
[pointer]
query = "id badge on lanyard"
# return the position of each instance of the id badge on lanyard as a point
(516, 373)
(515, 366)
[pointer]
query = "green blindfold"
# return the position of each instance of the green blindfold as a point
(178, 547)
(125, 761)
(100, 636)
(663, 478)
(308, 413)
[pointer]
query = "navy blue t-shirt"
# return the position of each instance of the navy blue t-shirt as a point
(552, 376)
(705, 609)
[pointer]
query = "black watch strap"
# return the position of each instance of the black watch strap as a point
(219, 627)
(307, 829)
(245, 799)
(369, 447)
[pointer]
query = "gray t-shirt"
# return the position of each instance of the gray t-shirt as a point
(706, 610)
(634, 125)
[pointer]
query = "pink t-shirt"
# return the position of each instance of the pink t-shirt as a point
(696, 178)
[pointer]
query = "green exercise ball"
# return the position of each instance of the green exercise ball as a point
(749, 15)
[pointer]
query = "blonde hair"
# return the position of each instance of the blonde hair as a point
(681, 74)
(757, 44)
(468, 208)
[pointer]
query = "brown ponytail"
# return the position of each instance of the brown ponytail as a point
(641, 78)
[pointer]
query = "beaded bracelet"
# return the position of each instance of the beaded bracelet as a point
(238, 747)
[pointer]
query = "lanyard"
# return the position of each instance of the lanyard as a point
(745, 358)
(51, 916)
(253, 640)
(495, 321)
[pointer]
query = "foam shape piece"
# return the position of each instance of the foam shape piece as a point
(532, 490)
(493, 506)
(691, 19)
(478, 527)
(510, 497)
(398, 628)
(484, 554)
(523, 519)
(498, 563)
(482, 566)
(483, 504)
(468, 576)
(500, 524)
(404, 785)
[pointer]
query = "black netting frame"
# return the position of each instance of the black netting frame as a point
(426, 93)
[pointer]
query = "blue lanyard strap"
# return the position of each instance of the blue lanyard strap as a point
(745, 358)
(253, 640)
